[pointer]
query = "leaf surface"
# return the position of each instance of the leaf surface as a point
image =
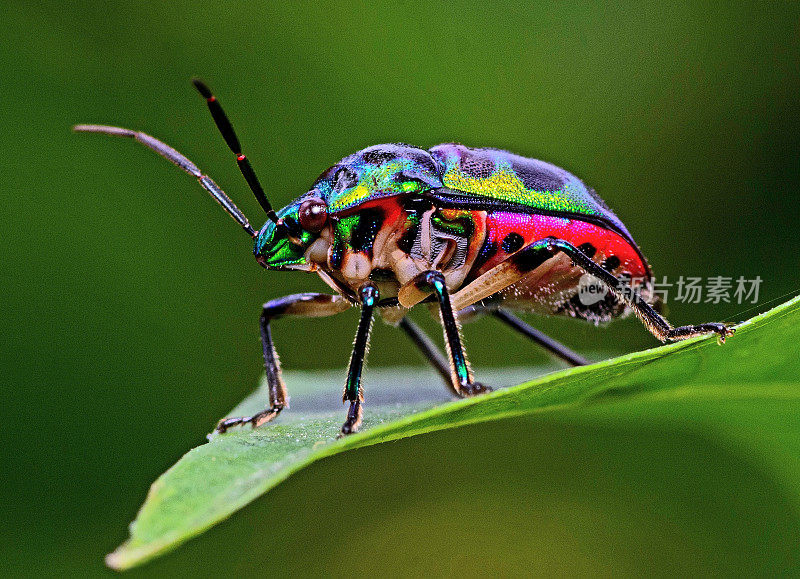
(744, 396)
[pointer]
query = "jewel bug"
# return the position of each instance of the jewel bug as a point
(469, 231)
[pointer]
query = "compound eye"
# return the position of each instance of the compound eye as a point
(313, 215)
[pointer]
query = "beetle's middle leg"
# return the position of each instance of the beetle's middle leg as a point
(429, 349)
(432, 354)
(311, 305)
(461, 379)
(553, 346)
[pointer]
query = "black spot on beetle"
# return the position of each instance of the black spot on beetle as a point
(378, 156)
(537, 176)
(611, 263)
(588, 249)
(476, 165)
(512, 242)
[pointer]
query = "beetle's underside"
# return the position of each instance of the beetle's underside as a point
(467, 231)
(409, 235)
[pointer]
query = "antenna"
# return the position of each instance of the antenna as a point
(225, 127)
(181, 161)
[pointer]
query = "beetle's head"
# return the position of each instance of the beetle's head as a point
(372, 173)
(283, 245)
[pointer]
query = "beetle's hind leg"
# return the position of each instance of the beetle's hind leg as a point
(459, 374)
(312, 305)
(527, 259)
(654, 322)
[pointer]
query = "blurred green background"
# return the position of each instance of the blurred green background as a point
(131, 300)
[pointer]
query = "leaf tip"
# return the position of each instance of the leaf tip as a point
(115, 560)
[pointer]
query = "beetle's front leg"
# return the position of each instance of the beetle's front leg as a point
(461, 377)
(353, 393)
(311, 305)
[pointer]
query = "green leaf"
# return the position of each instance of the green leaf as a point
(744, 396)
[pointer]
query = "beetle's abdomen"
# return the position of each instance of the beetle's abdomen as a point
(553, 287)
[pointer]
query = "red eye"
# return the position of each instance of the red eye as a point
(313, 215)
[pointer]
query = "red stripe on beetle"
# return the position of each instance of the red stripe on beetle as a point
(535, 227)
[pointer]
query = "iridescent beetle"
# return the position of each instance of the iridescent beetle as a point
(467, 230)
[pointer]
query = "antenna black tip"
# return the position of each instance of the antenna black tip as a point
(225, 127)
(202, 88)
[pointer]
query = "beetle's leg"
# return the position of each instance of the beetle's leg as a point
(310, 305)
(353, 393)
(529, 258)
(503, 275)
(654, 322)
(553, 346)
(461, 378)
(545, 341)
(429, 350)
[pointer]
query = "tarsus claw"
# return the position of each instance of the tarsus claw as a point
(255, 420)
(725, 332)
